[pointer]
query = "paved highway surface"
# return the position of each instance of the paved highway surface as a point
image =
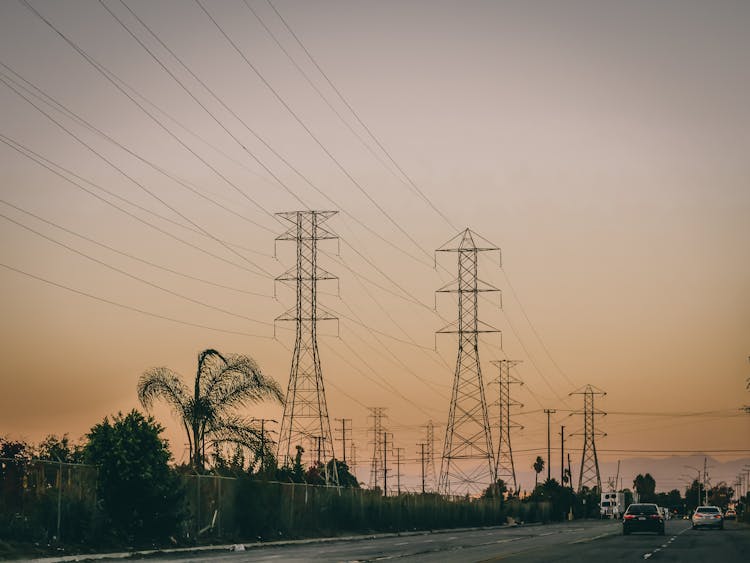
(579, 542)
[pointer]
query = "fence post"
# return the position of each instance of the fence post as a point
(59, 499)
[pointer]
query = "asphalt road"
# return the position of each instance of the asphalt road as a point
(574, 542)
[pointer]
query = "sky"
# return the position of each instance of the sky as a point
(602, 146)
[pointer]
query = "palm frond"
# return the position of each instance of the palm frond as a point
(210, 362)
(240, 381)
(235, 429)
(163, 383)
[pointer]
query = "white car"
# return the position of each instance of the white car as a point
(708, 516)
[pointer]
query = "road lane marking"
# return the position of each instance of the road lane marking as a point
(585, 540)
(402, 543)
(647, 555)
(547, 534)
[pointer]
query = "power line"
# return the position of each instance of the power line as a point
(132, 256)
(311, 134)
(129, 307)
(132, 276)
(401, 170)
(359, 120)
(44, 97)
(131, 179)
(197, 101)
(256, 135)
(47, 164)
(106, 74)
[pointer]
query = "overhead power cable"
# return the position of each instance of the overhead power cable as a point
(252, 131)
(311, 134)
(359, 120)
(47, 164)
(134, 257)
(132, 276)
(380, 145)
(130, 308)
(259, 270)
(109, 77)
(195, 99)
(45, 98)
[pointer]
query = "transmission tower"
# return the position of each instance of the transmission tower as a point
(589, 475)
(505, 469)
(377, 463)
(430, 474)
(468, 464)
(305, 420)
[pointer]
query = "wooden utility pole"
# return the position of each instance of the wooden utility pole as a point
(421, 457)
(398, 470)
(343, 435)
(562, 456)
(385, 464)
(548, 412)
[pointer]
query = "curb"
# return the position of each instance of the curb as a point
(256, 545)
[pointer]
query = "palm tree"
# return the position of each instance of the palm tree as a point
(222, 383)
(538, 467)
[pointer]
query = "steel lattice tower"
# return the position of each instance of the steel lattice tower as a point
(305, 420)
(430, 474)
(468, 464)
(589, 475)
(377, 463)
(505, 469)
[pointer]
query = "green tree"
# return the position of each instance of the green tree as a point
(538, 467)
(141, 496)
(720, 495)
(694, 495)
(645, 485)
(496, 490)
(222, 383)
(14, 459)
(53, 448)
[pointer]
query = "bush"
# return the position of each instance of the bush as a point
(141, 496)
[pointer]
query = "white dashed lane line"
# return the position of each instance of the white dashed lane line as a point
(664, 545)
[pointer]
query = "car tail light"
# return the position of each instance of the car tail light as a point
(655, 516)
(717, 516)
(629, 517)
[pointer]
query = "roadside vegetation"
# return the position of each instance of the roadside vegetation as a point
(119, 488)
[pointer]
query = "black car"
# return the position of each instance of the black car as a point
(644, 517)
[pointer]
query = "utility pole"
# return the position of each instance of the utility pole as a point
(263, 437)
(504, 466)
(589, 461)
(705, 488)
(353, 467)
(562, 456)
(305, 408)
(385, 464)
(398, 470)
(570, 473)
(343, 435)
(548, 412)
(468, 464)
(421, 457)
(430, 474)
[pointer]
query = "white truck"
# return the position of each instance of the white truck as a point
(612, 505)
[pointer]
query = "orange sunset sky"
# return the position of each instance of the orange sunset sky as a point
(603, 146)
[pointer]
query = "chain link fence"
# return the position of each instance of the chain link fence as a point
(50, 502)
(47, 501)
